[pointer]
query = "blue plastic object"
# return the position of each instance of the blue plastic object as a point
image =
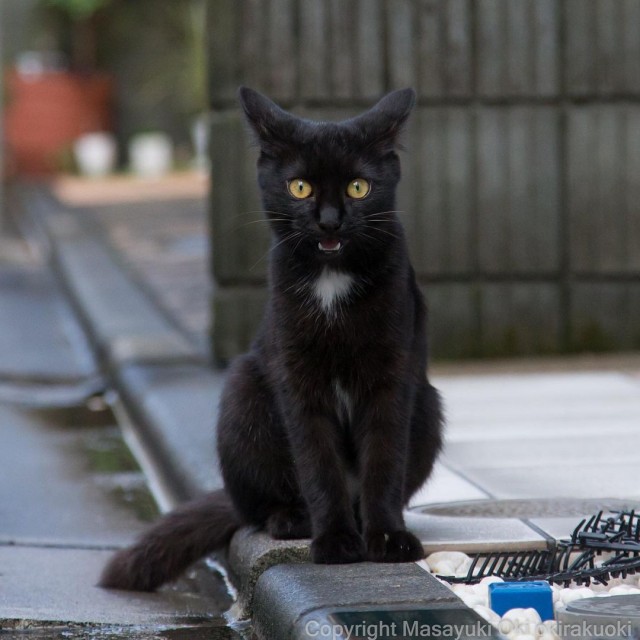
(522, 595)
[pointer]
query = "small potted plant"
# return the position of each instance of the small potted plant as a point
(50, 106)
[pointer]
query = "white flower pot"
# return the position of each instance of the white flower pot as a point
(95, 154)
(150, 155)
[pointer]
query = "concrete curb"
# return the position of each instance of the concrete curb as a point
(173, 408)
(296, 601)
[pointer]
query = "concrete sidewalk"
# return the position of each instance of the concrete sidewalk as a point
(560, 436)
(71, 491)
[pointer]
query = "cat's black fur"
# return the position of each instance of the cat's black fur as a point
(333, 393)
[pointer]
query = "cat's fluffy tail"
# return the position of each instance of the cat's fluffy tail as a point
(177, 540)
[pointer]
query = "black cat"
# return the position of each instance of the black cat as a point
(328, 425)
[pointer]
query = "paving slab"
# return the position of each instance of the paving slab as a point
(446, 485)
(52, 586)
(559, 450)
(607, 479)
(473, 535)
(483, 402)
(68, 483)
(40, 339)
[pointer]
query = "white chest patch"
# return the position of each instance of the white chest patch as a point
(331, 286)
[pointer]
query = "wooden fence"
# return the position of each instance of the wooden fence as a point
(521, 183)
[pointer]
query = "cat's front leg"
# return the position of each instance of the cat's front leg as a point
(383, 434)
(323, 485)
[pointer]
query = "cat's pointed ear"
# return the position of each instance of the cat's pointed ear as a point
(383, 123)
(270, 124)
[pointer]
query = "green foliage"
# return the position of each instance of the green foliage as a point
(78, 9)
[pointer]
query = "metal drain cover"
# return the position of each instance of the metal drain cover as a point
(530, 508)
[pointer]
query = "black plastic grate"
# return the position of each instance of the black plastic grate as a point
(600, 548)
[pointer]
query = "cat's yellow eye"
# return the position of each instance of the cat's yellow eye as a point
(358, 188)
(300, 188)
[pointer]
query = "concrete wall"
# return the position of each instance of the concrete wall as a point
(522, 179)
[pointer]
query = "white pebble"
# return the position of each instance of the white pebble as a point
(472, 599)
(449, 563)
(570, 595)
(482, 587)
(623, 590)
(523, 616)
(488, 614)
(520, 623)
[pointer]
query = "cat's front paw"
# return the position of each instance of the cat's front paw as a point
(340, 547)
(398, 546)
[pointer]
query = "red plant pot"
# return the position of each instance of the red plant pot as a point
(47, 112)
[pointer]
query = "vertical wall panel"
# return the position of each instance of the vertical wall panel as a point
(459, 191)
(444, 48)
(343, 14)
(517, 54)
(603, 47)
(453, 320)
(282, 53)
(517, 172)
(631, 45)
(546, 31)
(493, 199)
(431, 230)
(401, 37)
(457, 55)
(369, 50)
(223, 38)
(609, 73)
(580, 21)
(430, 46)
(519, 318)
(604, 316)
(314, 55)
(491, 31)
(252, 50)
(518, 51)
(603, 165)
(581, 185)
(632, 187)
(443, 241)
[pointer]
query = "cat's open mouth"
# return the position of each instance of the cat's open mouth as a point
(330, 245)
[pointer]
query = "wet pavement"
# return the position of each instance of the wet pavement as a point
(71, 491)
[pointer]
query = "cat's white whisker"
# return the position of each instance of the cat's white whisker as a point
(289, 236)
